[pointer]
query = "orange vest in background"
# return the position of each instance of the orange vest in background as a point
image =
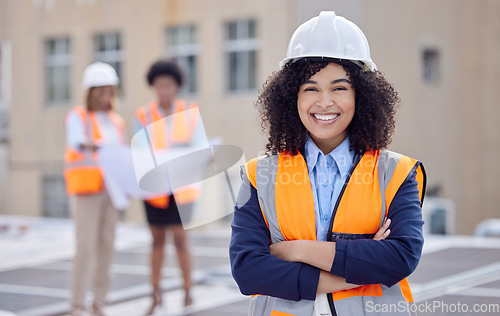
(181, 131)
(82, 173)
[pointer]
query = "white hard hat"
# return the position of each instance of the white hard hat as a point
(98, 75)
(330, 36)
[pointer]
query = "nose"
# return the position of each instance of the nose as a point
(325, 100)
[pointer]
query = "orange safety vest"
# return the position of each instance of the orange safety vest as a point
(287, 204)
(82, 173)
(180, 132)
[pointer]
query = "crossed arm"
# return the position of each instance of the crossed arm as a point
(300, 269)
(320, 254)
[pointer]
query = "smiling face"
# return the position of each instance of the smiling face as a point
(326, 106)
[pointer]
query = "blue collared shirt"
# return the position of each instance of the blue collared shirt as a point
(327, 174)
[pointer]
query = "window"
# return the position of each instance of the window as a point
(2, 76)
(54, 199)
(182, 47)
(5, 73)
(108, 49)
(5, 81)
(430, 59)
(241, 53)
(58, 70)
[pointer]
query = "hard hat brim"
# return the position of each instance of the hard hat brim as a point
(364, 65)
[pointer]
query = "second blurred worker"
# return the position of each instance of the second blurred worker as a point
(183, 130)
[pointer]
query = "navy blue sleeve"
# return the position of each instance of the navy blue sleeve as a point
(369, 261)
(254, 268)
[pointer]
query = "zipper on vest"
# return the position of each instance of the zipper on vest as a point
(329, 237)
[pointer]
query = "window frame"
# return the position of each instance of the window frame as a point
(54, 195)
(431, 60)
(5, 88)
(59, 58)
(112, 54)
(184, 47)
(244, 41)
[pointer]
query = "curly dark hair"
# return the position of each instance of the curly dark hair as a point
(375, 107)
(165, 67)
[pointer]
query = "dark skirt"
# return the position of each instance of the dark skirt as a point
(164, 216)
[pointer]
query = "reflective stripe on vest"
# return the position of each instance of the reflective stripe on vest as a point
(287, 204)
(82, 173)
(180, 132)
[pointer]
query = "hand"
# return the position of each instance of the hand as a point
(329, 283)
(384, 231)
(319, 254)
(286, 250)
(90, 146)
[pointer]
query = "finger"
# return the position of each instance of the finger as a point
(385, 235)
(382, 230)
(386, 225)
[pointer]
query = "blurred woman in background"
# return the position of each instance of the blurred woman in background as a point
(87, 128)
(183, 130)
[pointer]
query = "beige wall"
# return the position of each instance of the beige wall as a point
(37, 142)
(37, 130)
(428, 119)
(479, 128)
(452, 126)
(4, 10)
(4, 148)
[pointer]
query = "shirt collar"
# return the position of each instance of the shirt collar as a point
(311, 153)
(342, 155)
(162, 111)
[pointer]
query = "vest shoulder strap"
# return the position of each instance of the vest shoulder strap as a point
(180, 105)
(153, 113)
(261, 173)
(250, 170)
(80, 110)
(141, 115)
(117, 118)
(396, 170)
(86, 120)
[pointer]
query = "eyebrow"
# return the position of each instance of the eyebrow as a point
(333, 82)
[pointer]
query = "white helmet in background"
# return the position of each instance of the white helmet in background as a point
(98, 75)
(330, 36)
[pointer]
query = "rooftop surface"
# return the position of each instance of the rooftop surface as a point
(456, 275)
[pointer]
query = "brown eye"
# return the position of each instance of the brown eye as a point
(339, 88)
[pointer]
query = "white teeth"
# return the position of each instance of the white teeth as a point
(325, 117)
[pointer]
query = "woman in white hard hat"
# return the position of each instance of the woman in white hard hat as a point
(87, 128)
(311, 225)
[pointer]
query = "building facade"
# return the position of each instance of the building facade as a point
(441, 56)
